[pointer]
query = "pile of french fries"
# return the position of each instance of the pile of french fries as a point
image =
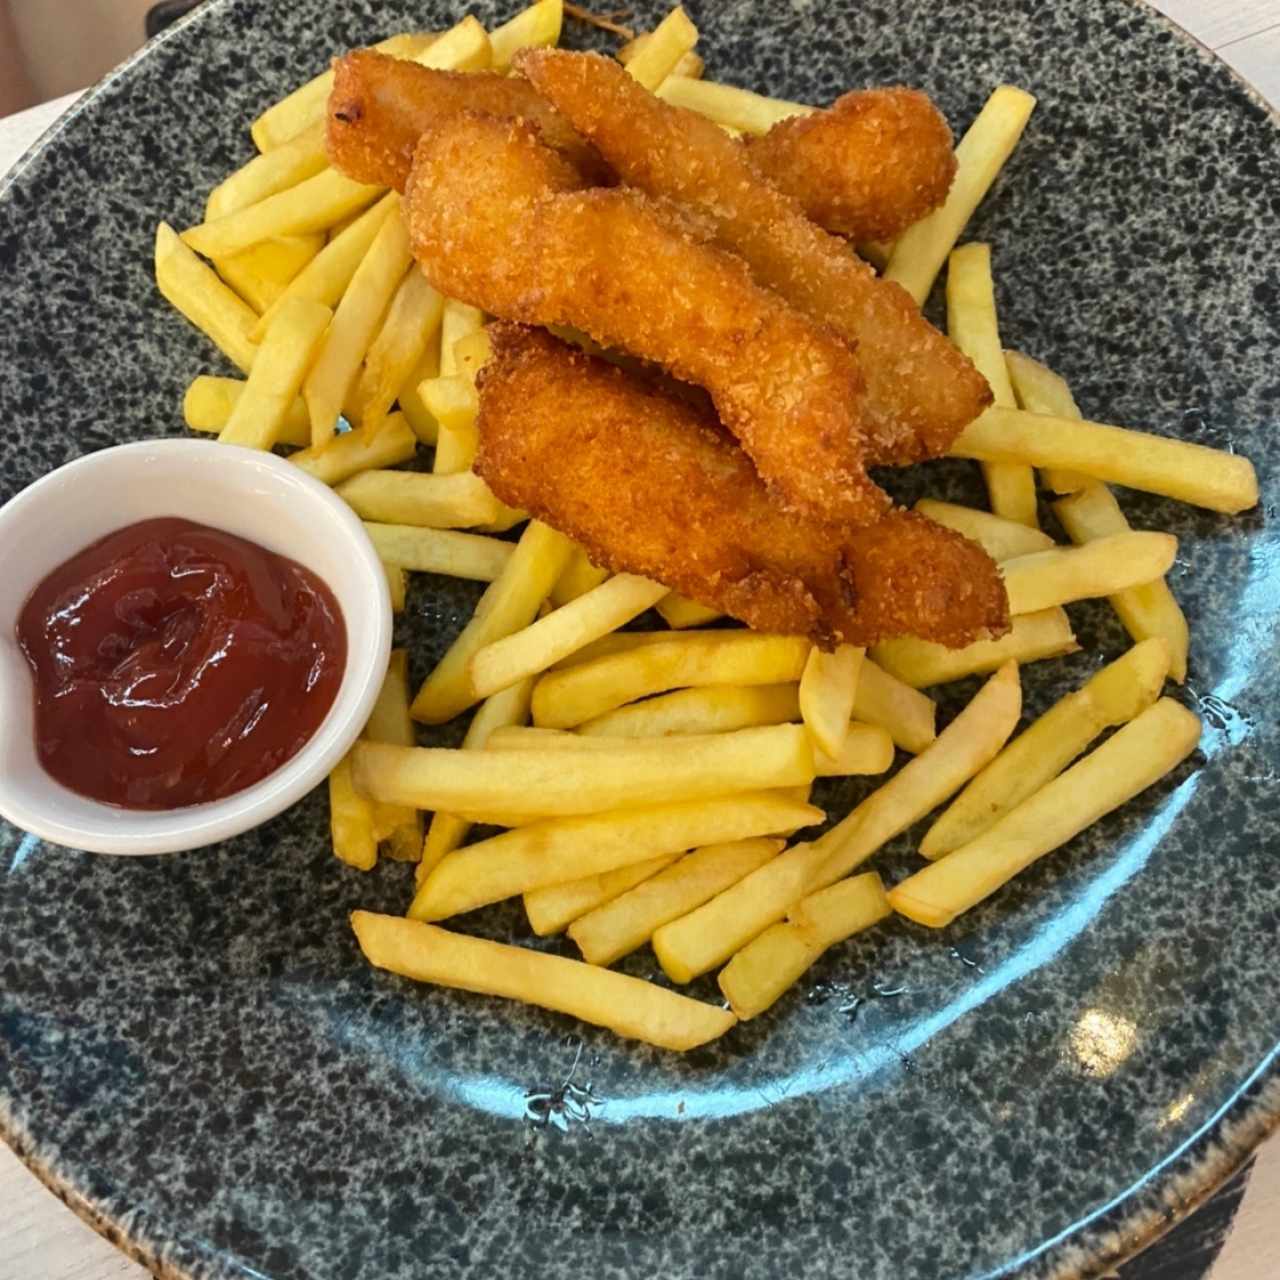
(648, 781)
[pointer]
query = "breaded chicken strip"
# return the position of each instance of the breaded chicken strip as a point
(380, 106)
(869, 166)
(501, 221)
(650, 484)
(921, 390)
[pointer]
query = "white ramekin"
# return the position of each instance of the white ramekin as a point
(243, 491)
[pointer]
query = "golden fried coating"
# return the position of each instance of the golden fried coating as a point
(379, 107)
(868, 167)
(501, 221)
(650, 484)
(921, 390)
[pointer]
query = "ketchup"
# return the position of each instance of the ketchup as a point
(176, 664)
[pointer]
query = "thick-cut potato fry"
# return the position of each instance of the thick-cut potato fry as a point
(355, 322)
(906, 714)
(351, 820)
(866, 749)
(564, 630)
(326, 277)
(358, 450)
(294, 161)
(710, 709)
(967, 744)
(511, 603)
(708, 936)
(209, 401)
(459, 320)
(679, 612)
(579, 577)
(728, 105)
(412, 405)
(1204, 477)
(921, 250)
(1135, 757)
(471, 353)
(551, 909)
(304, 107)
(447, 830)
(313, 205)
(410, 326)
(1001, 539)
(626, 641)
(416, 498)
(397, 585)
(690, 65)
(261, 273)
(667, 43)
(770, 964)
(633, 1008)
(389, 721)
(194, 289)
(1039, 390)
(1033, 637)
(537, 26)
(618, 927)
(443, 551)
(452, 402)
(541, 784)
(828, 686)
(282, 362)
(566, 698)
(972, 325)
(559, 850)
(464, 47)
(1116, 694)
(1092, 513)
(1099, 568)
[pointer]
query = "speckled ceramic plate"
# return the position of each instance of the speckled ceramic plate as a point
(191, 1049)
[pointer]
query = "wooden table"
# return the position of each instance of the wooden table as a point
(40, 1239)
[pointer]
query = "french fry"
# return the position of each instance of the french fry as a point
(626, 641)
(1031, 638)
(411, 324)
(355, 451)
(727, 105)
(1098, 568)
(768, 965)
(351, 820)
(1040, 390)
(561, 850)
(540, 784)
(304, 107)
(668, 42)
(412, 405)
(566, 698)
(506, 709)
(921, 250)
(866, 749)
(511, 603)
(1092, 513)
(397, 585)
(1204, 477)
(355, 322)
(282, 362)
(471, 352)
(416, 498)
(906, 714)
(464, 47)
(579, 577)
(617, 927)
(679, 613)
(294, 161)
(532, 650)
(690, 65)
(551, 909)
(452, 402)
(313, 205)
(973, 327)
(1001, 539)
(828, 686)
(326, 277)
(1113, 696)
(261, 273)
(443, 551)
(710, 709)
(538, 26)
(1135, 757)
(967, 744)
(629, 1006)
(389, 722)
(194, 289)
(459, 320)
(209, 401)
